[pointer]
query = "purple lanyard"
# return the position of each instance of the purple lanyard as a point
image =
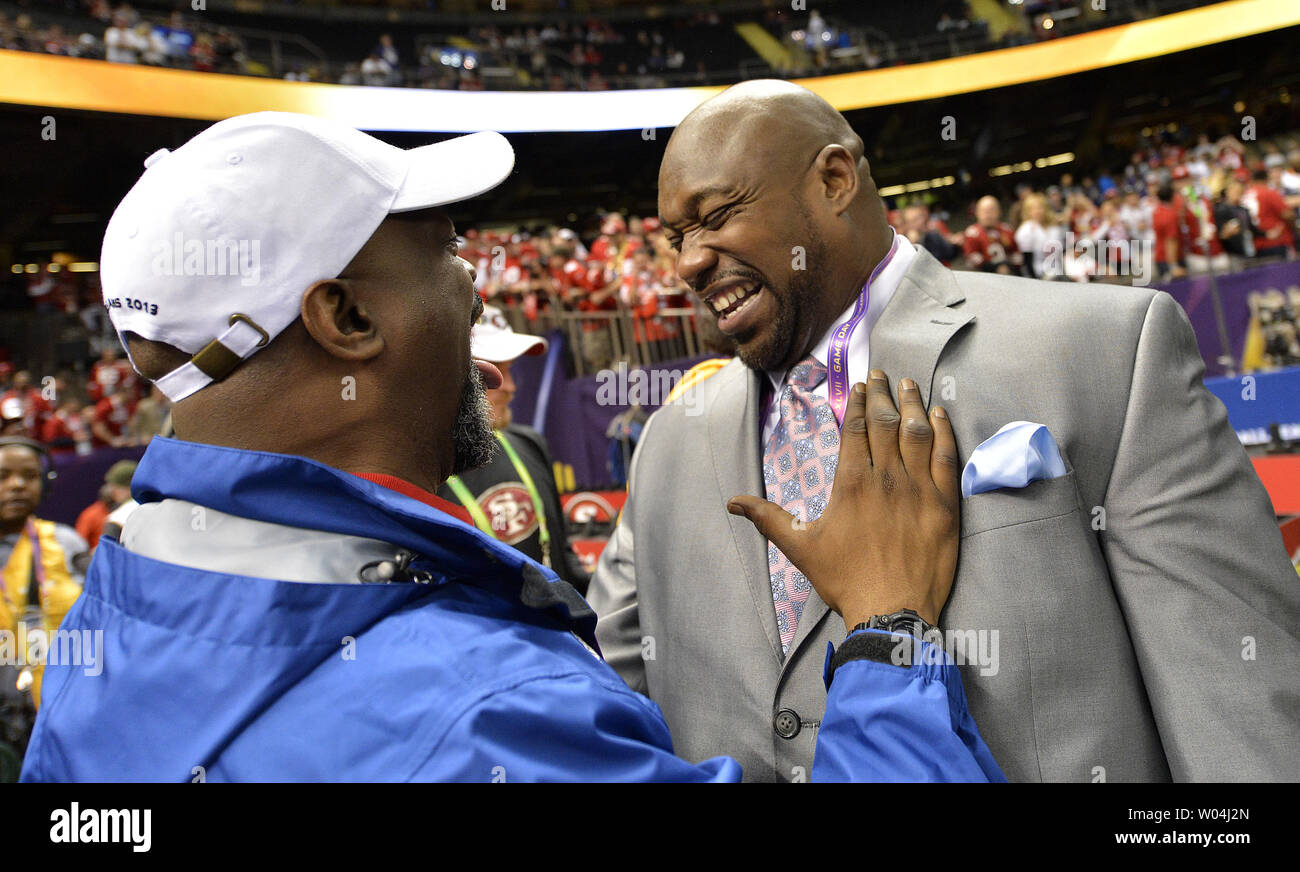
(37, 566)
(837, 364)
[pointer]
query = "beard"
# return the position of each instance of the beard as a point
(771, 350)
(474, 441)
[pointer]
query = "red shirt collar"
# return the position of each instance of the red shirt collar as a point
(405, 488)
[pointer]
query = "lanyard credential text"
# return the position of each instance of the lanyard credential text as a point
(837, 363)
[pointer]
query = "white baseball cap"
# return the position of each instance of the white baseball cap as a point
(493, 340)
(213, 248)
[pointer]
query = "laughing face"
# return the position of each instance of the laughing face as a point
(748, 247)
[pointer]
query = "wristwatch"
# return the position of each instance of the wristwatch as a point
(904, 621)
(879, 648)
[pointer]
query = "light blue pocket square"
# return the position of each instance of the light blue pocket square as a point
(1020, 453)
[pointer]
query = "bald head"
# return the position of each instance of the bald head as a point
(766, 195)
(767, 121)
(988, 211)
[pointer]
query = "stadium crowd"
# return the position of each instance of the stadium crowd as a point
(1190, 207)
(71, 413)
(1185, 204)
(592, 54)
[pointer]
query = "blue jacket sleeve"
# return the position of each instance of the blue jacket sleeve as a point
(893, 723)
(569, 727)
(882, 723)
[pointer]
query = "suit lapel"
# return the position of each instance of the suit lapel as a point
(734, 435)
(917, 324)
(906, 342)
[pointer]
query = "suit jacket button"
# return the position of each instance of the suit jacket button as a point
(786, 723)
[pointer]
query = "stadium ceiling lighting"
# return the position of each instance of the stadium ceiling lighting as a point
(29, 79)
(83, 266)
(1025, 166)
(33, 267)
(895, 190)
(16, 269)
(54, 267)
(1048, 23)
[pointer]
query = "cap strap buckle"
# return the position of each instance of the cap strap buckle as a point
(215, 360)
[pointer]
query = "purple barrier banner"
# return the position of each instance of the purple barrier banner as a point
(1193, 294)
(80, 476)
(578, 411)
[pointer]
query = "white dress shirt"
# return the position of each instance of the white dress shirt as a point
(859, 354)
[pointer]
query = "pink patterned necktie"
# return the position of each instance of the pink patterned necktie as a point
(798, 469)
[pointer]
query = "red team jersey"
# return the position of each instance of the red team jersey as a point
(989, 247)
(1200, 235)
(62, 430)
(1266, 208)
(105, 378)
(114, 413)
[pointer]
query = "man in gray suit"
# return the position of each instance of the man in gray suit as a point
(1133, 619)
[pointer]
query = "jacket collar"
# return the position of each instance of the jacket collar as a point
(299, 492)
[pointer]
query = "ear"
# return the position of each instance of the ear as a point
(837, 175)
(339, 321)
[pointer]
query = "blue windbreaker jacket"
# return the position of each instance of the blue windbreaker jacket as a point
(488, 673)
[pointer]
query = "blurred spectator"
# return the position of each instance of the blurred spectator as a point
(25, 402)
(1271, 216)
(229, 52)
(33, 597)
(1236, 229)
(66, 430)
(203, 54)
(154, 49)
(1168, 236)
(112, 415)
(151, 417)
(990, 245)
(1201, 234)
(178, 38)
(388, 54)
(375, 71)
(122, 45)
(1136, 216)
(111, 373)
(115, 492)
(1041, 239)
(917, 227)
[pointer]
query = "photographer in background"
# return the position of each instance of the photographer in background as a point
(41, 569)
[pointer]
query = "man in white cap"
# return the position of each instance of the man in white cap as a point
(513, 496)
(292, 601)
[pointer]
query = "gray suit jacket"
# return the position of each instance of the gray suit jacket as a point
(1135, 620)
